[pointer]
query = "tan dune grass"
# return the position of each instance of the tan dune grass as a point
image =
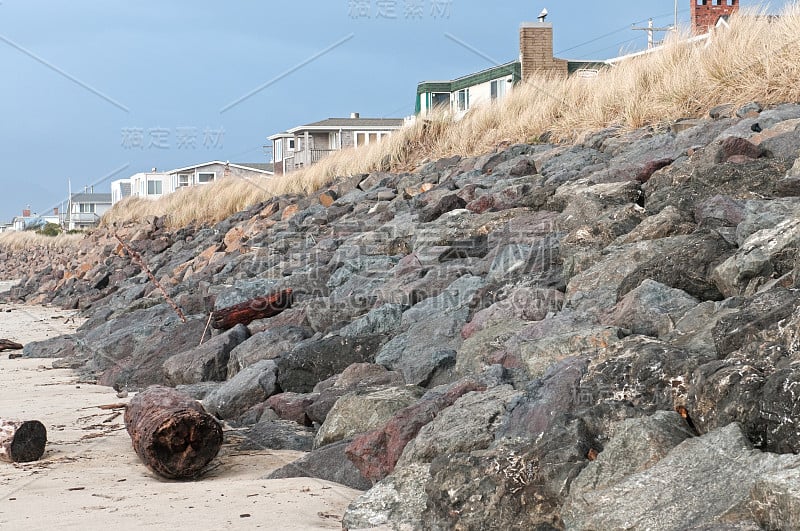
(755, 60)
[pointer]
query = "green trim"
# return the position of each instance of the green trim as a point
(514, 69)
(574, 66)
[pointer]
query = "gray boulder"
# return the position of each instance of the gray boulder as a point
(651, 309)
(656, 498)
(249, 387)
(358, 413)
(312, 361)
(266, 345)
(208, 362)
(329, 463)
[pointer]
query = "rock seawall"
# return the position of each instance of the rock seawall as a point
(543, 337)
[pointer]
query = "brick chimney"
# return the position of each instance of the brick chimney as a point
(26, 212)
(706, 13)
(536, 51)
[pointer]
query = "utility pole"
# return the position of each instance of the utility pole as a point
(650, 31)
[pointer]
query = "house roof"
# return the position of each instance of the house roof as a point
(265, 166)
(257, 167)
(512, 68)
(91, 198)
(350, 123)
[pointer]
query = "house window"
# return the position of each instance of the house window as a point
(184, 179)
(153, 187)
(86, 208)
(364, 138)
(462, 100)
(498, 88)
(440, 99)
(291, 144)
(333, 141)
(205, 178)
(277, 150)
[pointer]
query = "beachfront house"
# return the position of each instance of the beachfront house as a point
(148, 185)
(85, 210)
(535, 58)
(209, 172)
(120, 189)
(305, 145)
(31, 220)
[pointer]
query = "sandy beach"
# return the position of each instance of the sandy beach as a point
(90, 477)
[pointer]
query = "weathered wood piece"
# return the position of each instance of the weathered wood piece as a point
(22, 441)
(248, 311)
(7, 344)
(172, 433)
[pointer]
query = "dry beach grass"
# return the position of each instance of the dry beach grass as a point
(755, 60)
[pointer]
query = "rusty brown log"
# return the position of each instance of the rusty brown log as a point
(22, 441)
(7, 344)
(248, 311)
(171, 432)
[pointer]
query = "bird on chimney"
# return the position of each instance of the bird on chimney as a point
(543, 15)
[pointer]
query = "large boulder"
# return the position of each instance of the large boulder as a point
(656, 498)
(329, 463)
(358, 413)
(266, 345)
(249, 387)
(208, 362)
(312, 361)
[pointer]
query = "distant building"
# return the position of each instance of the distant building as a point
(209, 172)
(149, 185)
(305, 145)
(535, 58)
(706, 14)
(155, 184)
(120, 189)
(85, 210)
(31, 220)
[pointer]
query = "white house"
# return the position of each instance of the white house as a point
(149, 185)
(120, 189)
(209, 172)
(86, 209)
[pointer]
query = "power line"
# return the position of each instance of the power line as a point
(620, 30)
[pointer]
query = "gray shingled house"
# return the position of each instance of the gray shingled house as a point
(305, 145)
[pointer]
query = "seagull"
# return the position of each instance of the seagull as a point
(543, 15)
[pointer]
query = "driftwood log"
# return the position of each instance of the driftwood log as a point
(172, 433)
(7, 344)
(248, 311)
(22, 441)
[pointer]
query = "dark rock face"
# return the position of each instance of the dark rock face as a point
(208, 362)
(315, 360)
(584, 324)
(328, 463)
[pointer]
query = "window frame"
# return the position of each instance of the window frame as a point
(201, 173)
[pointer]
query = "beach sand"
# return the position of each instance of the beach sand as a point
(90, 477)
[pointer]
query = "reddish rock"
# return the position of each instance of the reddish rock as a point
(327, 198)
(292, 406)
(733, 146)
(481, 204)
(376, 453)
(269, 210)
(289, 211)
(650, 168)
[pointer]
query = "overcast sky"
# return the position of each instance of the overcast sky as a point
(98, 90)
